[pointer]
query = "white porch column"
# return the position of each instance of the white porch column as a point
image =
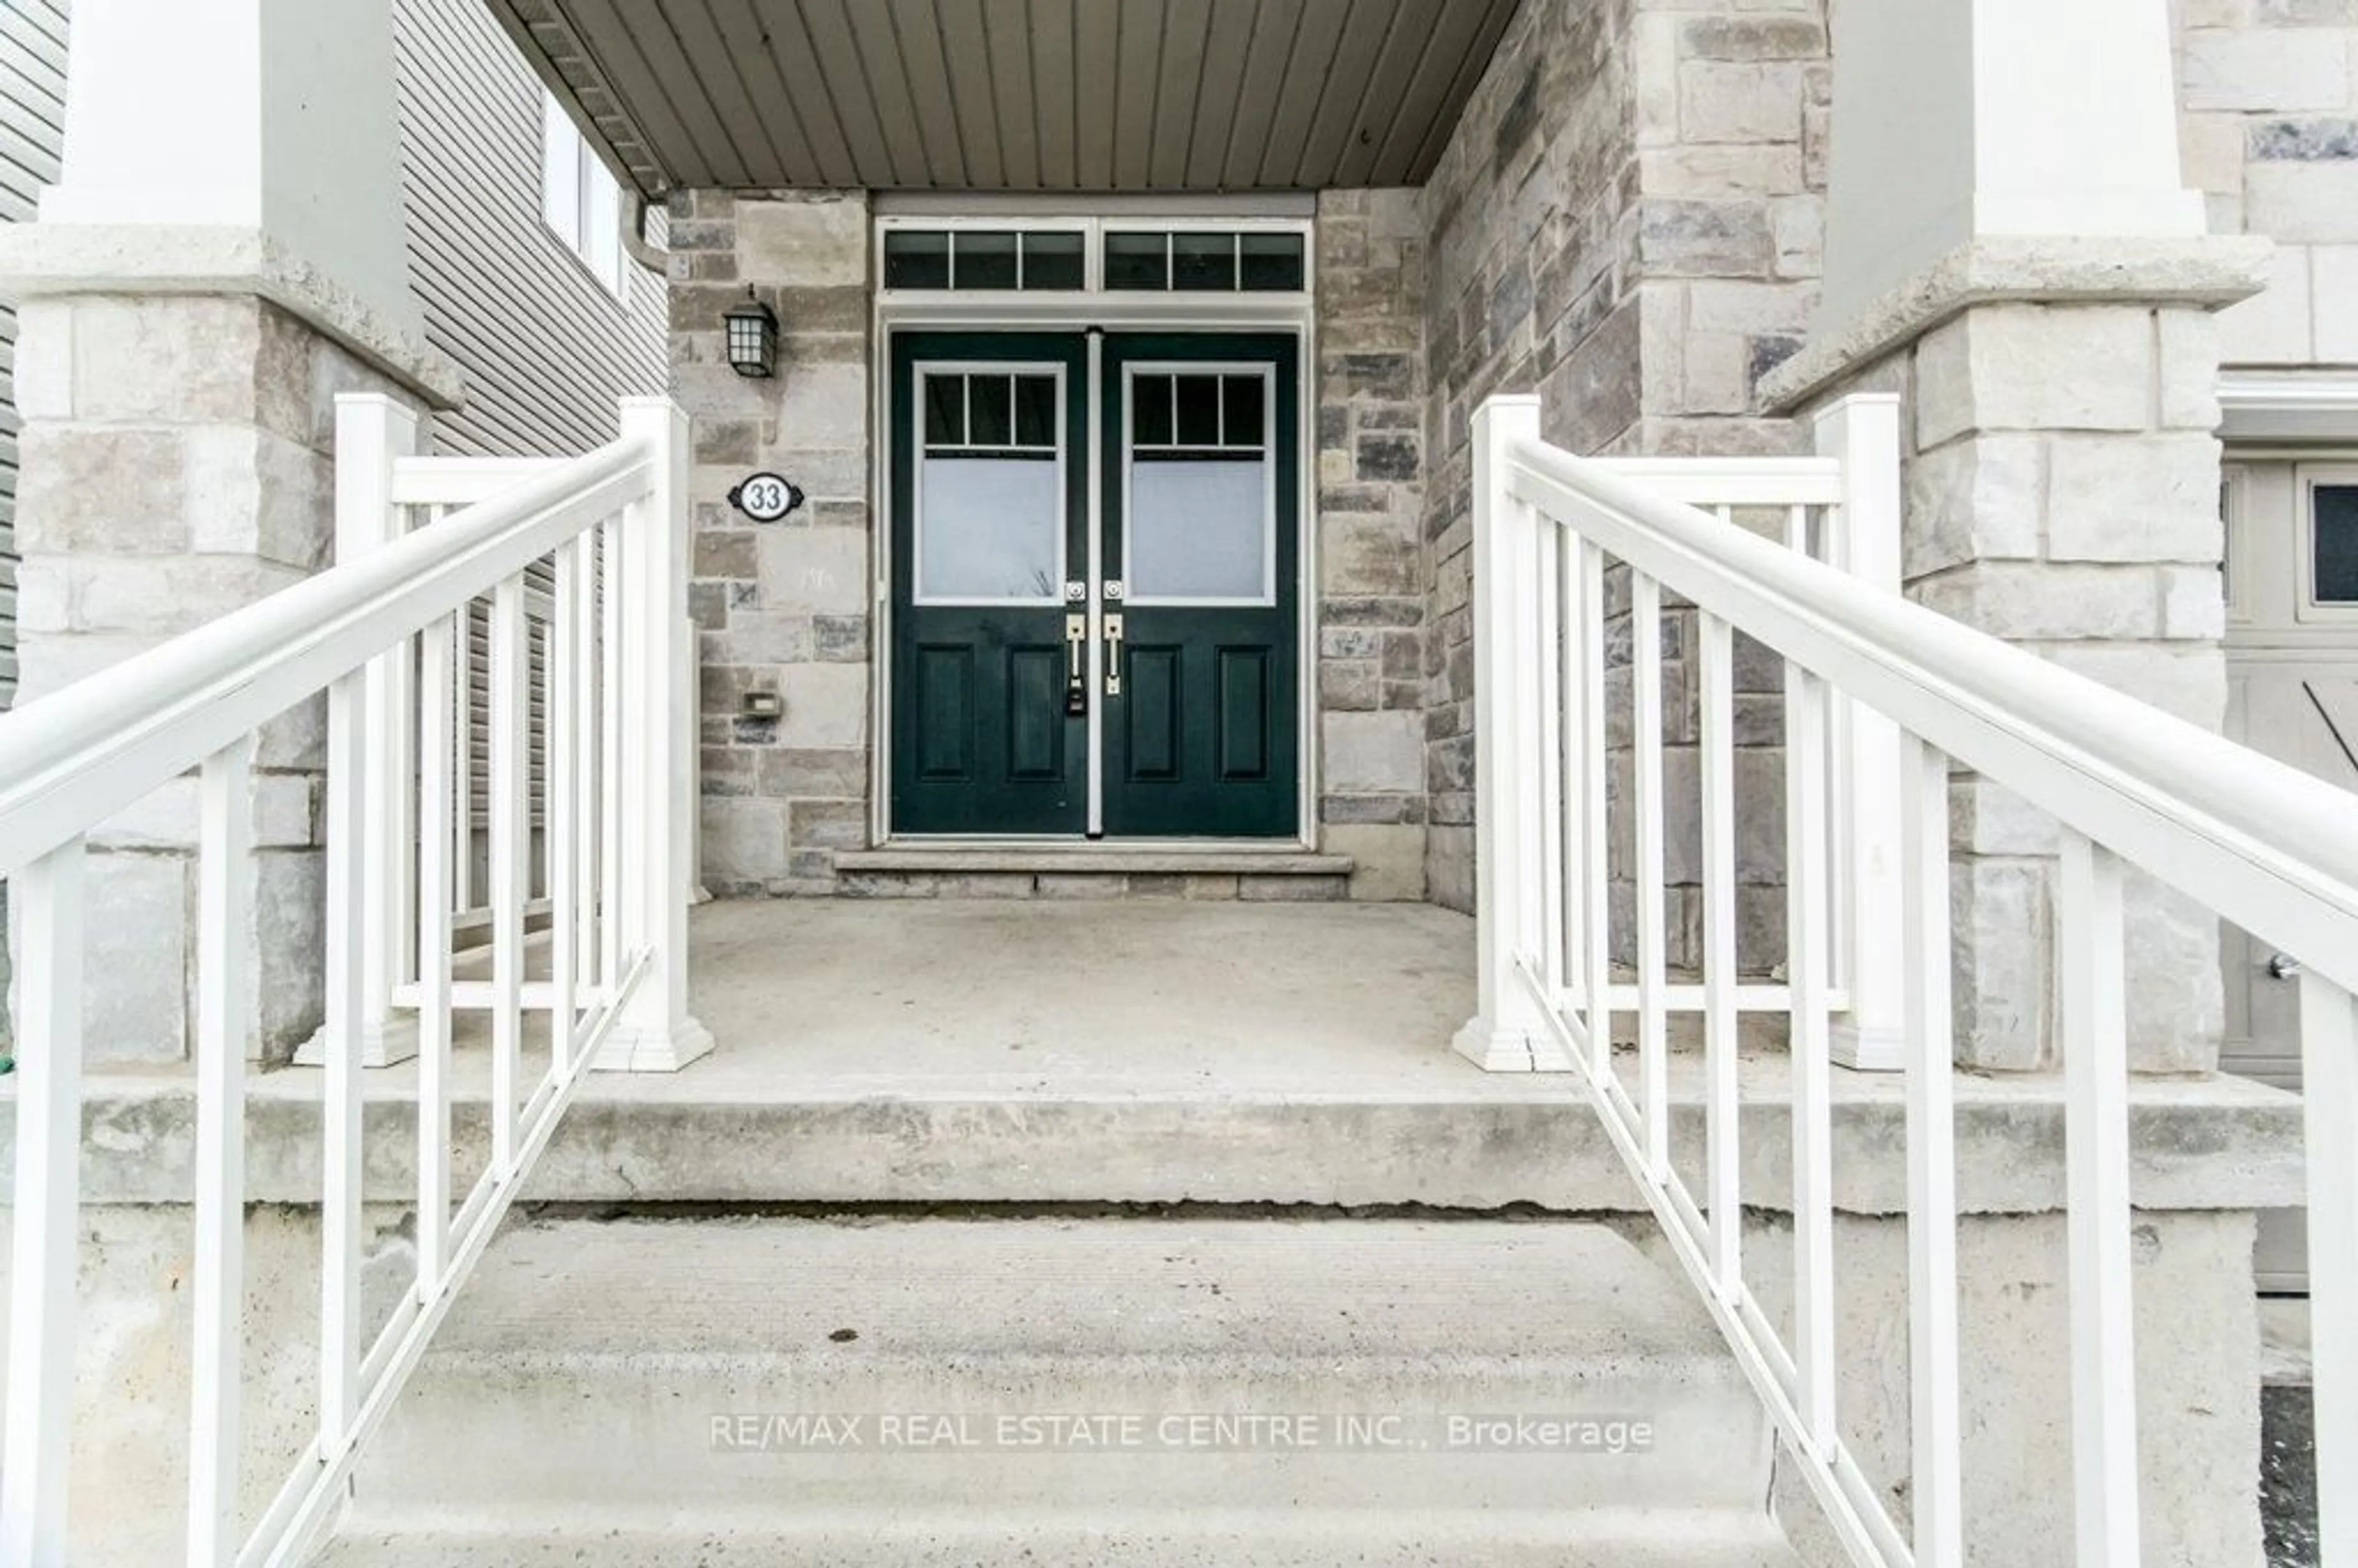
(656, 1032)
(224, 255)
(1508, 1033)
(2011, 248)
(1966, 120)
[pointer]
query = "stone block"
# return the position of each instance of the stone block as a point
(827, 707)
(1728, 102)
(808, 239)
(42, 375)
(138, 934)
(823, 406)
(2262, 68)
(1975, 499)
(1080, 886)
(163, 596)
(2187, 679)
(814, 571)
(1373, 753)
(1292, 888)
(2034, 367)
(96, 489)
(2177, 996)
(1988, 818)
(1387, 861)
(821, 774)
(1365, 555)
(2273, 326)
(743, 839)
(288, 953)
(2030, 601)
(826, 824)
(2153, 498)
(2002, 940)
(2302, 202)
(171, 360)
(2187, 343)
(2333, 272)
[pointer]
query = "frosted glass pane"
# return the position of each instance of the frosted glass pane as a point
(1199, 530)
(990, 528)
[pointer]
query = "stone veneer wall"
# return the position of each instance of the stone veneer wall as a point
(2269, 133)
(783, 607)
(780, 607)
(1628, 220)
(178, 465)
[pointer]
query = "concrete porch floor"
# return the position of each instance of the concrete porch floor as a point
(1038, 998)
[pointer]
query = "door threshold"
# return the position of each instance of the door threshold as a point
(1075, 857)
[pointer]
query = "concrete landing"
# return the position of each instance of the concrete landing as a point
(1291, 1391)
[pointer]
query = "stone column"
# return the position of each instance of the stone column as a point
(224, 257)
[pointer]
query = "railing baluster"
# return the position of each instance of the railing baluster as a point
(611, 654)
(1571, 637)
(582, 691)
(44, 1256)
(1550, 757)
(2329, 1043)
(224, 1001)
(2094, 986)
(563, 669)
(1806, 955)
(1936, 1420)
(1653, 1017)
(437, 804)
(340, 1109)
(1595, 832)
(511, 824)
(1714, 650)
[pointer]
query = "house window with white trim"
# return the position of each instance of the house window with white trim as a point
(578, 199)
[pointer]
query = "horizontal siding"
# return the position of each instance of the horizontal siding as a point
(548, 350)
(32, 136)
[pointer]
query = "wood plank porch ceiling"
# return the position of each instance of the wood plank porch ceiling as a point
(1081, 95)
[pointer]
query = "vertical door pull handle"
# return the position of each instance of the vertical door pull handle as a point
(1113, 656)
(1076, 682)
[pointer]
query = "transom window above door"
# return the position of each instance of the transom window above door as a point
(1087, 256)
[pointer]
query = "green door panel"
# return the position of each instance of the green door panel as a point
(1204, 741)
(982, 742)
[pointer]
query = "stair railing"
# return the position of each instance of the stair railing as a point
(2261, 845)
(382, 635)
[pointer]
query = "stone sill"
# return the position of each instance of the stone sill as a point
(2213, 270)
(1111, 861)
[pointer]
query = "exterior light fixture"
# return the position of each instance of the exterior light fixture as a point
(753, 337)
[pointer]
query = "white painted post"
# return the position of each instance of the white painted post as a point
(1863, 431)
(372, 432)
(45, 1254)
(1508, 1033)
(656, 1032)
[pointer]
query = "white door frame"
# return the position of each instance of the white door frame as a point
(944, 310)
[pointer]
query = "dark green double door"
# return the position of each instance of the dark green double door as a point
(1095, 593)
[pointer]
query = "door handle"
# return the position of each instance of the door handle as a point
(1113, 656)
(1076, 682)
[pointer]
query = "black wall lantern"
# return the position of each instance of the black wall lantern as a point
(753, 337)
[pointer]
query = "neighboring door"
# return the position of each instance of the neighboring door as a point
(2292, 683)
(1096, 585)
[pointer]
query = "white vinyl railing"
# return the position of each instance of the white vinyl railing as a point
(1881, 697)
(382, 635)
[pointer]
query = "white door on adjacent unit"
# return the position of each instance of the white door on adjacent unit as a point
(2292, 692)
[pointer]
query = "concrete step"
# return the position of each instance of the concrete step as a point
(1665, 1538)
(930, 1386)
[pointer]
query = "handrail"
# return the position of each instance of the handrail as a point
(2265, 845)
(75, 758)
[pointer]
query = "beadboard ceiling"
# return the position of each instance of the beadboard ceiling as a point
(1080, 95)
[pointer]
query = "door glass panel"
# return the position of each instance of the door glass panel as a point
(991, 507)
(1199, 507)
(2334, 543)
